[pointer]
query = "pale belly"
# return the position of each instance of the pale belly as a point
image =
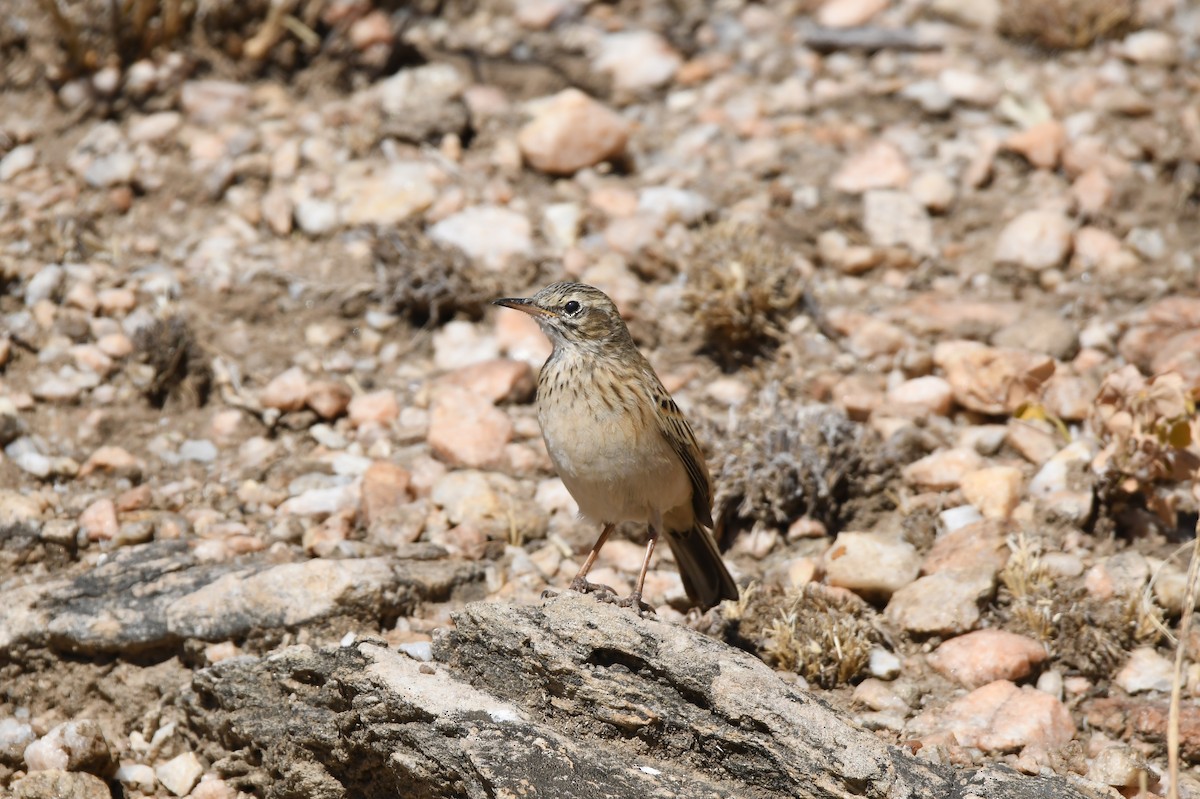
(614, 476)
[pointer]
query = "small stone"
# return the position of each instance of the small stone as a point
(287, 391)
(110, 459)
(385, 493)
(15, 735)
(467, 430)
(561, 223)
(1001, 717)
(883, 665)
(668, 204)
(375, 407)
(55, 784)
(19, 159)
(969, 87)
(316, 217)
(328, 398)
(520, 338)
(896, 218)
(72, 746)
(1040, 145)
(931, 394)
(180, 774)
(132, 533)
(872, 564)
(980, 545)
(210, 102)
(570, 131)
(115, 345)
(995, 490)
(460, 344)
(637, 60)
(45, 284)
(1146, 670)
(984, 656)
(1036, 443)
(499, 379)
(880, 166)
(18, 509)
(945, 603)
(1092, 192)
(849, 13)
(99, 520)
(390, 196)
(944, 470)
(198, 451)
(1119, 766)
(1150, 47)
(933, 190)
(1035, 240)
(489, 234)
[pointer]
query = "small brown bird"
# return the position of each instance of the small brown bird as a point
(619, 442)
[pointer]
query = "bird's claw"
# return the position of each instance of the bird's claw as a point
(634, 602)
(603, 592)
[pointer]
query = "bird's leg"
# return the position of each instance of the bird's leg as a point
(580, 582)
(634, 600)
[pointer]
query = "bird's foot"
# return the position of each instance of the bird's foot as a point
(603, 592)
(634, 601)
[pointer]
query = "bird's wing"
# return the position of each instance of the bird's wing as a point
(675, 429)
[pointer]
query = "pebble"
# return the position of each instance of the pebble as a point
(943, 470)
(45, 284)
(880, 166)
(198, 451)
(1035, 240)
(71, 746)
(896, 218)
(180, 774)
(500, 380)
(55, 784)
(883, 664)
(1002, 717)
(994, 490)
(489, 234)
(211, 102)
(467, 430)
(1150, 47)
(385, 493)
(374, 407)
(931, 394)
(460, 344)
(99, 520)
(1146, 670)
(316, 217)
(945, 603)
(980, 545)
(287, 391)
(329, 399)
(849, 13)
(570, 131)
(637, 60)
(875, 565)
(1040, 145)
(19, 159)
(15, 735)
(389, 196)
(934, 190)
(1093, 193)
(1055, 489)
(668, 204)
(137, 776)
(1119, 766)
(984, 656)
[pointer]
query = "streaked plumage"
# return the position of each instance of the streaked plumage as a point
(617, 439)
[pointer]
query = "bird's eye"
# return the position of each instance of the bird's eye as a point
(572, 307)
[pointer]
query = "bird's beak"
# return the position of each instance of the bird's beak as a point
(523, 305)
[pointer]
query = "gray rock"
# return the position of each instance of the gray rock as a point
(569, 698)
(45, 285)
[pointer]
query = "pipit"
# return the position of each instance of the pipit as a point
(619, 442)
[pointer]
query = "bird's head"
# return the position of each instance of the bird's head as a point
(573, 315)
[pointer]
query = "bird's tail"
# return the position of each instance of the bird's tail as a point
(705, 577)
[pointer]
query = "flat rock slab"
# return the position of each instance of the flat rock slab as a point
(156, 595)
(568, 698)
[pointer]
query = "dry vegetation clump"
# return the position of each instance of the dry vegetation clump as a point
(1066, 24)
(1085, 634)
(823, 636)
(179, 368)
(779, 460)
(429, 283)
(743, 287)
(1148, 455)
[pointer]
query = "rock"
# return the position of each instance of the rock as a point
(385, 494)
(1092, 192)
(422, 103)
(45, 284)
(499, 379)
(942, 470)
(981, 545)
(467, 430)
(211, 102)
(637, 60)
(1146, 670)
(15, 735)
(945, 603)
(1035, 240)
(493, 504)
(287, 391)
(1150, 47)
(480, 736)
(72, 746)
(930, 394)
(992, 380)
(849, 13)
(374, 407)
(1000, 717)
(137, 776)
(198, 451)
(391, 195)
(933, 190)
(1035, 441)
(489, 234)
(17, 509)
(316, 217)
(896, 218)
(461, 344)
(1042, 333)
(1119, 766)
(984, 656)
(19, 159)
(667, 204)
(879, 166)
(99, 520)
(1040, 145)
(570, 131)
(872, 564)
(1064, 483)
(969, 87)
(994, 490)
(60, 785)
(180, 774)
(328, 398)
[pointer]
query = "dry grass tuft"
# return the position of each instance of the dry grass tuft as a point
(1066, 24)
(824, 636)
(742, 289)
(181, 370)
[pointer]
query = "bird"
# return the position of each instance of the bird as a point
(620, 444)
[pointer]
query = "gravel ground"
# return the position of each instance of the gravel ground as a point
(928, 289)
